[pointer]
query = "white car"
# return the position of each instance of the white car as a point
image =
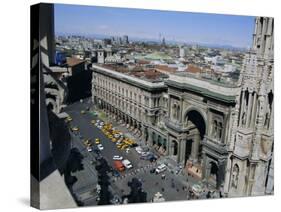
(89, 149)
(139, 149)
(127, 164)
(100, 146)
(117, 135)
(117, 157)
(161, 168)
(145, 153)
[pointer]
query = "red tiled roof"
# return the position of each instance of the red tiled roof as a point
(166, 68)
(193, 69)
(72, 61)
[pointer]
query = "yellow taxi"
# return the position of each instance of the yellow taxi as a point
(114, 140)
(75, 129)
(87, 142)
(68, 119)
(97, 141)
(125, 146)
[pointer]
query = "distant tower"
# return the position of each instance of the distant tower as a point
(252, 140)
(182, 51)
(101, 56)
(125, 39)
(163, 42)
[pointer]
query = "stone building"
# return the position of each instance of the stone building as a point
(221, 132)
(250, 159)
(136, 97)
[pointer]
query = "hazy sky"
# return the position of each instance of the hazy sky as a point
(149, 24)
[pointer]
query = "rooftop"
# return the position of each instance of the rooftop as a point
(72, 61)
(148, 74)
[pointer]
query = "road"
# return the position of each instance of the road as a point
(172, 187)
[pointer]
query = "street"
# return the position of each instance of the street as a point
(173, 187)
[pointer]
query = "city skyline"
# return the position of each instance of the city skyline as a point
(206, 29)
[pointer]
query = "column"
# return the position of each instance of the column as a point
(195, 147)
(204, 164)
(182, 151)
(242, 107)
(170, 145)
(206, 171)
(253, 115)
(249, 110)
(169, 107)
(181, 111)
(221, 172)
(179, 151)
(149, 138)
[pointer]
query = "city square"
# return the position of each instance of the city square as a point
(135, 120)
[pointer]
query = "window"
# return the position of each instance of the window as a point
(217, 129)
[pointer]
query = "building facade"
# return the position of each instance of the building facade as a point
(250, 159)
(139, 103)
(221, 132)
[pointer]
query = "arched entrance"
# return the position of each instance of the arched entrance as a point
(213, 177)
(174, 148)
(196, 128)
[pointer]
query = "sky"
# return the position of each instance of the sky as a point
(201, 28)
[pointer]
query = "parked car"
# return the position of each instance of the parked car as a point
(89, 149)
(161, 168)
(127, 164)
(117, 157)
(117, 135)
(144, 154)
(150, 156)
(68, 119)
(97, 141)
(75, 129)
(197, 189)
(139, 149)
(100, 146)
(119, 165)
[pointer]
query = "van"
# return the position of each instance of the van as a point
(160, 168)
(127, 164)
(119, 165)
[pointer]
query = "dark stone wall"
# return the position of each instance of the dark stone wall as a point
(79, 86)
